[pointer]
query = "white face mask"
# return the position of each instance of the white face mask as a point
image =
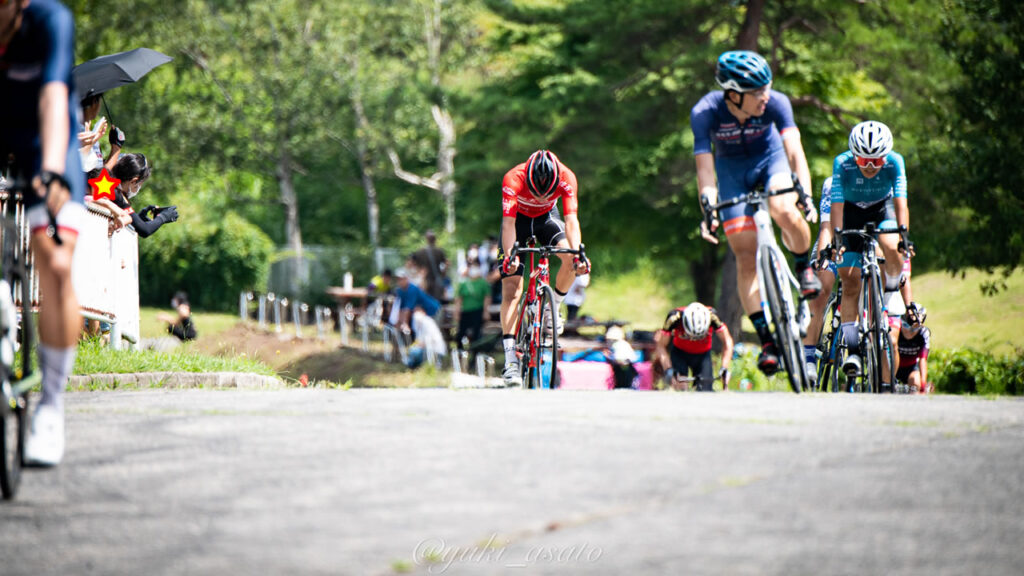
(132, 193)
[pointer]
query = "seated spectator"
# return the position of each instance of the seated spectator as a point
(411, 297)
(619, 354)
(179, 325)
(429, 343)
(471, 300)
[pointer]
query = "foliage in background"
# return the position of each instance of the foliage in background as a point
(967, 371)
(211, 259)
(260, 90)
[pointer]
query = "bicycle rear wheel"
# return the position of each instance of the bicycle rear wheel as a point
(787, 340)
(547, 346)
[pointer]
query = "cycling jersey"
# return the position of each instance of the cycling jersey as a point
(851, 187)
(711, 120)
(674, 326)
(915, 348)
(516, 197)
(825, 208)
(41, 52)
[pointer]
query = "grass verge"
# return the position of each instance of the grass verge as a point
(95, 357)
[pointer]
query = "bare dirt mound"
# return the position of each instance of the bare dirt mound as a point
(322, 361)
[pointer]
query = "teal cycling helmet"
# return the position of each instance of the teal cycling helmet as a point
(742, 71)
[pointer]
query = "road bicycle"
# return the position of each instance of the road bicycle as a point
(681, 383)
(875, 347)
(17, 377)
(830, 342)
(776, 283)
(536, 327)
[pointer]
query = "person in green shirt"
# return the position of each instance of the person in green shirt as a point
(472, 299)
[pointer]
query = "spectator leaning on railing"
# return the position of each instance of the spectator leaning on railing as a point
(133, 170)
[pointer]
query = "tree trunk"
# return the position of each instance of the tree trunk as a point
(747, 38)
(293, 233)
(443, 119)
(366, 168)
(730, 309)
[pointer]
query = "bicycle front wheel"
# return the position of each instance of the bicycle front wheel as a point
(547, 345)
(827, 348)
(524, 338)
(787, 340)
(14, 412)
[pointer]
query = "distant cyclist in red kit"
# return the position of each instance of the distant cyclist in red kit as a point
(529, 197)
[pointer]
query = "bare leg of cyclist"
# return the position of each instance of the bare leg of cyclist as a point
(744, 246)
(511, 292)
(59, 326)
(796, 236)
(817, 308)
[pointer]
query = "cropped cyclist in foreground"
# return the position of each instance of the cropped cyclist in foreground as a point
(756, 141)
(37, 122)
(869, 184)
(684, 345)
(529, 194)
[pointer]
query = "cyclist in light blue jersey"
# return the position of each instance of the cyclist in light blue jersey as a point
(869, 184)
(755, 142)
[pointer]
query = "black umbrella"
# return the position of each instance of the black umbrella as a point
(108, 72)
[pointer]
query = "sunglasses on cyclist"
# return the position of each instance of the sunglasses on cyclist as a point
(873, 162)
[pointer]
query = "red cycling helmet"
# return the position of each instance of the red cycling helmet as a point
(542, 171)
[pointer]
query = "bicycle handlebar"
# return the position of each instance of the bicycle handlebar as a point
(711, 210)
(870, 232)
(546, 251)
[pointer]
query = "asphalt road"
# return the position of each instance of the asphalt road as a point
(509, 482)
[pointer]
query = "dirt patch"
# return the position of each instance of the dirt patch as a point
(324, 362)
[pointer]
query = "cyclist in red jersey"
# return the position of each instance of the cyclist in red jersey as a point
(683, 345)
(529, 197)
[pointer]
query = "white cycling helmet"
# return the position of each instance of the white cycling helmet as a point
(696, 320)
(870, 140)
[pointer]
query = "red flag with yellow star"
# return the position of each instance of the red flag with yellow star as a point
(103, 186)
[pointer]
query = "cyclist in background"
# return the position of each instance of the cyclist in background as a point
(827, 273)
(38, 118)
(529, 194)
(756, 141)
(914, 344)
(869, 184)
(683, 345)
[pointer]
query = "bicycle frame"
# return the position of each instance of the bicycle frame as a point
(539, 273)
(871, 306)
(766, 242)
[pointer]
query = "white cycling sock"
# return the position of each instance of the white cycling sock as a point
(509, 344)
(56, 365)
(849, 334)
(557, 297)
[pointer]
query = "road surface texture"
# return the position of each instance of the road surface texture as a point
(368, 482)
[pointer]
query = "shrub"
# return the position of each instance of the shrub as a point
(211, 260)
(967, 371)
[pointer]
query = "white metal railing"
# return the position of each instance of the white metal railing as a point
(105, 273)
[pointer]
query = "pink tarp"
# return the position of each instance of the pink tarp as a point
(587, 375)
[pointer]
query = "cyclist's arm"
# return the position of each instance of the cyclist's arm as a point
(661, 341)
(572, 231)
(837, 216)
(797, 159)
(922, 366)
(902, 212)
(55, 128)
(508, 234)
(727, 345)
(706, 177)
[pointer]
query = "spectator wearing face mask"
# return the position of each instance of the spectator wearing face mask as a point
(133, 170)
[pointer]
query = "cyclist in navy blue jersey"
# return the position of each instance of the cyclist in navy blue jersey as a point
(38, 120)
(756, 141)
